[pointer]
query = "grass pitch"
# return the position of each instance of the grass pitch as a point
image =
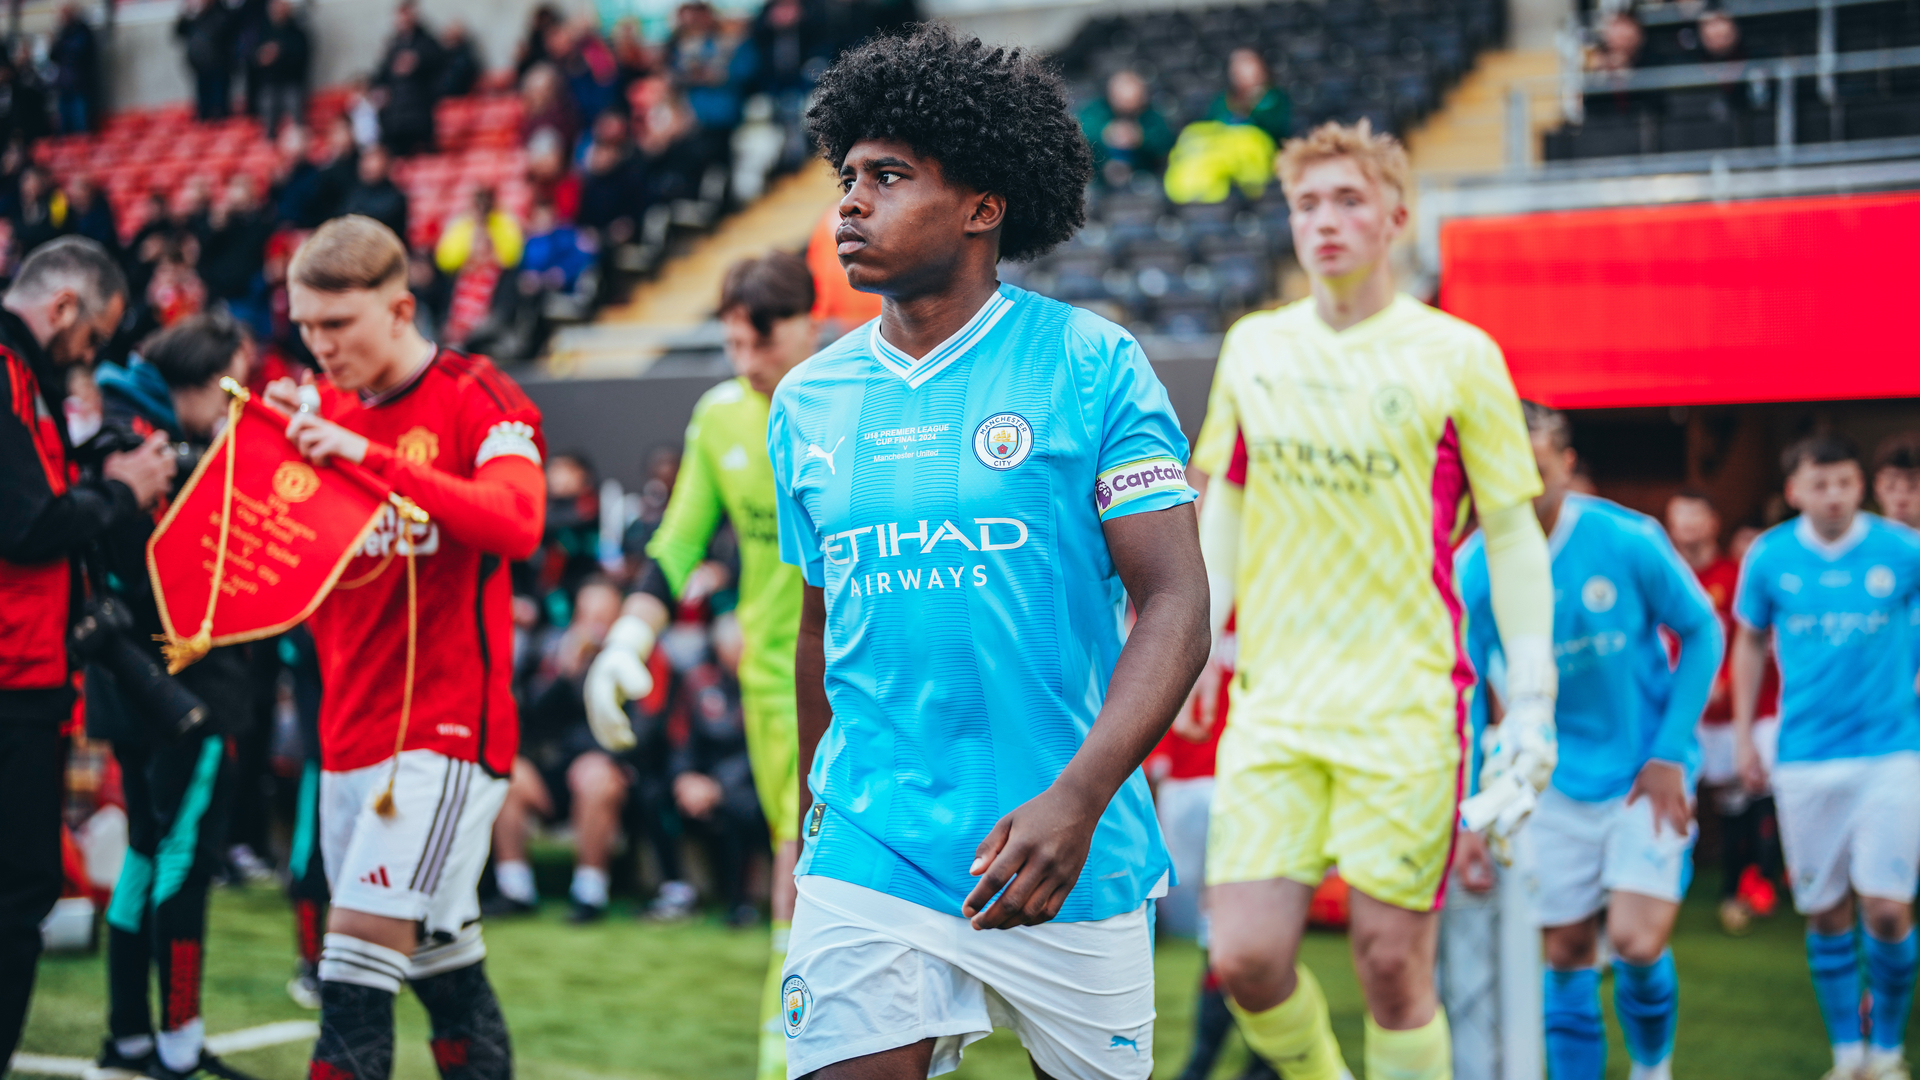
(625, 1000)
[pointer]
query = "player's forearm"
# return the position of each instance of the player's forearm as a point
(1520, 575)
(1157, 554)
(1747, 669)
(1701, 649)
(502, 510)
(812, 710)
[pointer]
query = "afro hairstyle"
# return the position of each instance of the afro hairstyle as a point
(996, 119)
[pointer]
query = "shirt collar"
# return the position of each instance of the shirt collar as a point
(372, 401)
(917, 372)
(1849, 540)
(1570, 510)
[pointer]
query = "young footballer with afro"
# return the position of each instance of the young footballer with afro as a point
(973, 484)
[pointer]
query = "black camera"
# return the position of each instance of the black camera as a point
(121, 440)
(103, 635)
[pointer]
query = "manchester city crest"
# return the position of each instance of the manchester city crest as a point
(1002, 441)
(796, 1004)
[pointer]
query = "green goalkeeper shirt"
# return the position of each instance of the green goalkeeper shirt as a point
(724, 469)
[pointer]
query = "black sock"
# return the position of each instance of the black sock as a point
(1211, 1023)
(356, 1033)
(469, 1034)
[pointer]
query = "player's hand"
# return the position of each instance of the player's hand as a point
(318, 440)
(1472, 865)
(1747, 763)
(618, 675)
(1666, 784)
(284, 395)
(147, 472)
(697, 794)
(1039, 848)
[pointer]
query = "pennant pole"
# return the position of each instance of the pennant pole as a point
(410, 512)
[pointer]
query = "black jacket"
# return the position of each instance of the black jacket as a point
(384, 202)
(36, 525)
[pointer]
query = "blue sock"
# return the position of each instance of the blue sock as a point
(1836, 983)
(1646, 1000)
(1576, 1043)
(1890, 966)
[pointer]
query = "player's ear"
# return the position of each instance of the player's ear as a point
(989, 213)
(401, 306)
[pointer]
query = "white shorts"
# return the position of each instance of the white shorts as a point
(1849, 823)
(1182, 807)
(422, 864)
(1584, 850)
(1716, 748)
(867, 972)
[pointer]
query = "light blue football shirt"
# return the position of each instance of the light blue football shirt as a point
(1616, 581)
(951, 509)
(1842, 627)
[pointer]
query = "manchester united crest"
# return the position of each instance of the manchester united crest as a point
(419, 446)
(295, 481)
(1002, 441)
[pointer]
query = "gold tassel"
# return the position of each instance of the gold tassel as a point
(409, 513)
(182, 652)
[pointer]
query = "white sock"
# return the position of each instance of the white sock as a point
(1875, 1054)
(1848, 1057)
(515, 879)
(180, 1048)
(590, 886)
(134, 1046)
(1662, 1071)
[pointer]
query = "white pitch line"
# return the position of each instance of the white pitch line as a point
(229, 1042)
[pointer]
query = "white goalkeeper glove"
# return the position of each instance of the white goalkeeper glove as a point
(1520, 753)
(618, 675)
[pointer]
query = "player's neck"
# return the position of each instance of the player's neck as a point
(1346, 302)
(1547, 509)
(1832, 533)
(411, 353)
(1700, 555)
(916, 325)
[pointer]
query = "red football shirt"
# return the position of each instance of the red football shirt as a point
(457, 414)
(1719, 579)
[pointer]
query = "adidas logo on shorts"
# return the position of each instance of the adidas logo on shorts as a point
(376, 876)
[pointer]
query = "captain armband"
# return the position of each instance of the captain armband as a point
(509, 438)
(1135, 480)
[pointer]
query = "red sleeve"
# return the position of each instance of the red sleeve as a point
(1237, 466)
(501, 511)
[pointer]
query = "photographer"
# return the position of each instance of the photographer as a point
(66, 299)
(178, 782)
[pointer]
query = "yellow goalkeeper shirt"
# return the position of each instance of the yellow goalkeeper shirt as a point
(1358, 452)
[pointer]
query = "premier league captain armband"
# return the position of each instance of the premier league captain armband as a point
(1119, 486)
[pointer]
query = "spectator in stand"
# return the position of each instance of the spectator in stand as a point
(1715, 39)
(532, 51)
(671, 149)
(613, 192)
(42, 211)
(206, 27)
(1128, 134)
(23, 112)
(235, 246)
(587, 65)
(1896, 478)
(635, 58)
(555, 255)
(1621, 39)
(554, 262)
(294, 179)
(712, 777)
(1251, 97)
(335, 177)
(74, 57)
(376, 195)
(277, 72)
(561, 771)
(1749, 836)
(460, 68)
(569, 548)
(550, 174)
(89, 215)
(545, 105)
(475, 251)
(790, 48)
(405, 84)
(175, 290)
(711, 66)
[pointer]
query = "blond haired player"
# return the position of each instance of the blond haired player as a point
(451, 433)
(1346, 434)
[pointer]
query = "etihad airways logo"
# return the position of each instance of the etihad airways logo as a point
(987, 534)
(1334, 468)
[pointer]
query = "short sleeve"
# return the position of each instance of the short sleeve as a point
(1214, 446)
(1494, 445)
(1751, 603)
(799, 540)
(1142, 463)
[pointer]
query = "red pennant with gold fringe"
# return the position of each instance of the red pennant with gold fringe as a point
(272, 529)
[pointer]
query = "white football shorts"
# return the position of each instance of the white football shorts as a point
(422, 864)
(1584, 850)
(868, 972)
(1849, 823)
(1716, 748)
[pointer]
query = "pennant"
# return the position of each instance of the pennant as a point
(273, 530)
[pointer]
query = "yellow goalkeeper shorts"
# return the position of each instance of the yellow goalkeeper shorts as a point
(1289, 803)
(773, 749)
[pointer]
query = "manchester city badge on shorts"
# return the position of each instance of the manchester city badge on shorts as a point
(796, 1004)
(1002, 441)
